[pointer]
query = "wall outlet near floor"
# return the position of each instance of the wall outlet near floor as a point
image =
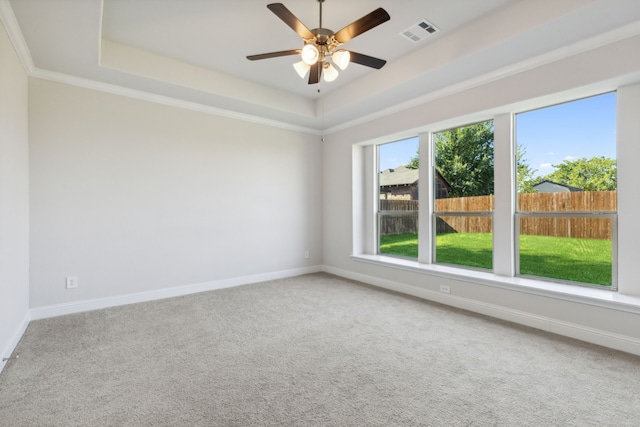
(446, 289)
(306, 254)
(72, 282)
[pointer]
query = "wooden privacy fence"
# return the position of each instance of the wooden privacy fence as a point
(402, 222)
(588, 228)
(585, 228)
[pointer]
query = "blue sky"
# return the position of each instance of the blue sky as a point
(398, 153)
(585, 128)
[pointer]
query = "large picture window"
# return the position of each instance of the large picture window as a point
(463, 192)
(566, 207)
(398, 198)
(553, 218)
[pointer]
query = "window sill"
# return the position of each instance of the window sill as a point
(580, 294)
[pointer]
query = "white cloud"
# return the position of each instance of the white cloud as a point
(569, 158)
(545, 167)
(551, 153)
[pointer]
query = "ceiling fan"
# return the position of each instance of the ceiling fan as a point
(322, 44)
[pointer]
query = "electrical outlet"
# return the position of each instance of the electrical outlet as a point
(446, 289)
(72, 282)
(306, 254)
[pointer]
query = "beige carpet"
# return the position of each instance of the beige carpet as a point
(314, 350)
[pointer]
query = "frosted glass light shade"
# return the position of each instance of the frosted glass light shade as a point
(330, 73)
(310, 54)
(341, 58)
(302, 68)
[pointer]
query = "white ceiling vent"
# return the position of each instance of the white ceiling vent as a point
(420, 31)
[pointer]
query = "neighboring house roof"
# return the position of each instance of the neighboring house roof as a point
(402, 175)
(551, 186)
(399, 176)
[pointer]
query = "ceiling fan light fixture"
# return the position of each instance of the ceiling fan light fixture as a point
(302, 68)
(329, 72)
(341, 58)
(320, 50)
(310, 54)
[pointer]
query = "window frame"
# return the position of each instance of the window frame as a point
(518, 215)
(434, 214)
(380, 213)
(505, 237)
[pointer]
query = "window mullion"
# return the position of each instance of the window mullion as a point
(425, 225)
(504, 197)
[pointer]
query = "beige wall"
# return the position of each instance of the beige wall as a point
(132, 196)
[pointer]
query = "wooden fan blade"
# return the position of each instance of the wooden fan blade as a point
(363, 24)
(367, 60)
(290, 19)
(274, 54)
(314, 73)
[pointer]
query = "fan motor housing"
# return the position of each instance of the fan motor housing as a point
(322, 35)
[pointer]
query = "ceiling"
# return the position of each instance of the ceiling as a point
(192, 53)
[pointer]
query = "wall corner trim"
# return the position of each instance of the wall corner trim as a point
(15, 339)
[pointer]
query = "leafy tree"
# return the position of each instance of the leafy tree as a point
(464, 157)
(414, 162)
(594, 174)
(526, 177)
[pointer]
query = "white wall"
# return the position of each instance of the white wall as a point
(628, 135)
(14, 198)
(595, 71)
(132, 196)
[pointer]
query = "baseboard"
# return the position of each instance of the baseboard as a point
(100, 303)
(595, 336)
(571, 330)
(15, 339)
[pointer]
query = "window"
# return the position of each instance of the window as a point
(398, 198)
(554, 217)
(463, 179)
(566, 180)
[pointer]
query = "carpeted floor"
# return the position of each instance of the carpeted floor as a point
(314, 350)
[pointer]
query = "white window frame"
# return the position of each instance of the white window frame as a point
(379, 213)
(628, 128)
(434, 215)
(518, 215)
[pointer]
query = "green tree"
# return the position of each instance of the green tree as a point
(464, 157)
(594, 174)
(414, 162)
(526, 177)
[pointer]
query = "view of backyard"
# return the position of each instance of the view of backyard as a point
(572, 259)
(566, 209)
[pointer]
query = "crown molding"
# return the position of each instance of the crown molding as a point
(164, 100)
(8, 19)
(14, 32)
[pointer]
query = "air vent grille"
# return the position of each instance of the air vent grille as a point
(419, 31)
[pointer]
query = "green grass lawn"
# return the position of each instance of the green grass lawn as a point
(578, 260)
